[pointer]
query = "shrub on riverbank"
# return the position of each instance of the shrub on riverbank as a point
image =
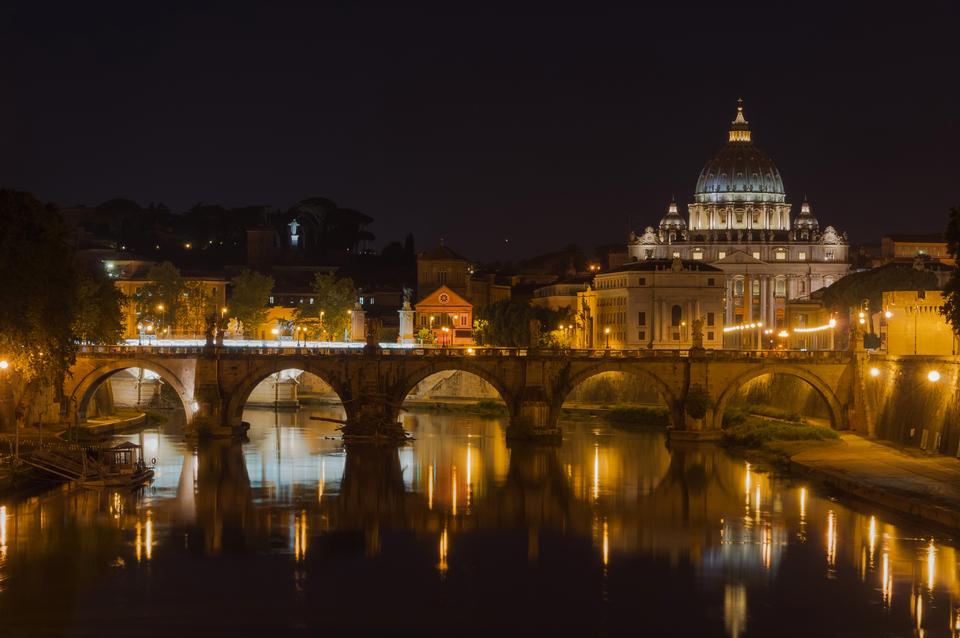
(755, 432)
(737, 415)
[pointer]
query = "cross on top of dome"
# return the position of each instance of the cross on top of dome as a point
(739, 128)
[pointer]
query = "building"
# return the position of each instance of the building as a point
(442, 267)
(447, 315)
(143, 320)
(740, 221)
(914, 324)
(652, 304)
(907, 247)
(561, 293)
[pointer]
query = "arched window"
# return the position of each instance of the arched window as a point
(675, 316)
(738, 287)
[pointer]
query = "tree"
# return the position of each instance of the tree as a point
(99, 317)
(508, 323)
(161, 299)
(248, 299)
(951, 291)
(329, 314)
(47, 303)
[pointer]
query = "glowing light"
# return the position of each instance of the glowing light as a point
(300, 535)
(469, 473)
(888, 314)
(4, 364)
(803, 503)
(323, 480)
(735, 609)
(933, 376)
(606, 544)
(596, 471)
(783, 334)
(831, 538)
(827, 326)
(444, 548)
(453, 495)
(872, 536)
(931, 565)
(148, 540)
(832, 323)
(3, 527)
(874, 372)
(430, 487)
(887, 579)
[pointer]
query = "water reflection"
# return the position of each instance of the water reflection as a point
(606, 526)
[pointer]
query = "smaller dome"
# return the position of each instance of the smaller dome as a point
(805, 220)
(673, 220)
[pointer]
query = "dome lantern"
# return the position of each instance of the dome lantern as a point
(739, 127)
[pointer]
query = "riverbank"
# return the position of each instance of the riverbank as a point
(906, 481)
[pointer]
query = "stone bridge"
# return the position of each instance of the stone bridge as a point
(214, 383)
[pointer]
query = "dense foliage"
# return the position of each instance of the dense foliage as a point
(951, 309)
(48, 303)
(328, 317)
(850, 292)
(513, 324)
(250, 293)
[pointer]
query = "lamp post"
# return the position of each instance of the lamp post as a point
(446, 335)
(161, 309)
(276, 335)
(140, 334)
(606, 334)
(323, 331)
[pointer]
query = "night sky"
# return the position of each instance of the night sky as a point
(479, 125)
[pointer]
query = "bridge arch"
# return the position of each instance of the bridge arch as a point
(84, 390)
(819, 385)
(409, 380)
(241, 393)
(667, 395)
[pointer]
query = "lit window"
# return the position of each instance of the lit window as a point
(271, 300)
(781, 254)
(802, 256)
(780, 287)
(698, 254)
(756, 254)
(756, 286)
(738, 287)
(721, 254)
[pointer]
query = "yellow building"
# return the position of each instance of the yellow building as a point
(130, 276)
(653, 304)
(901, 247)
(913, 324)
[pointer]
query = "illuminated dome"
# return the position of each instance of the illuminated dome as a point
(739, 172)
(673, 221)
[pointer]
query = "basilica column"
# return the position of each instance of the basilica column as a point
(763, 300)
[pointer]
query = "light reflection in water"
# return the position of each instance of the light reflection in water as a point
(663, 505)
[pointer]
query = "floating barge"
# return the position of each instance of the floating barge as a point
(117, 466)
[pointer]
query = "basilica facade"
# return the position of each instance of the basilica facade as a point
(740, 222)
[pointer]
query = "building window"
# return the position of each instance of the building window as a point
(738, 287)
(802, 256)
(756, 254)
(780, 287)
(371, 301)
(361, 301)
(781, 254)
(721, 254)
(711, 318)
(642, 319)
(442, 277)
(270, 301)
(828, 257)
(803, 286)
(676, 313)
(648, 253)
(697, 254)
(711, 281)
(643, 281)
(709, 336)
(756, 287)
(642, 336)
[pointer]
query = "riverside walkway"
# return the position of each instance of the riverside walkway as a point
(907, 481)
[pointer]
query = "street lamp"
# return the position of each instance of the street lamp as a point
(140, 334)
(446, 335)
(4, 364)
(933, 376)
(276, 335)
(606, 333)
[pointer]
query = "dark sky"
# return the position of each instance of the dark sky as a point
(477, 125)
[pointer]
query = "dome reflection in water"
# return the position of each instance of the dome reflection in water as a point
(614, 530)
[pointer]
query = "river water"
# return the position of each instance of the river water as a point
(613, 533)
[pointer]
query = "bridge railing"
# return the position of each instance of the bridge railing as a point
(474, 351)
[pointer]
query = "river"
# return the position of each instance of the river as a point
(614, 532)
